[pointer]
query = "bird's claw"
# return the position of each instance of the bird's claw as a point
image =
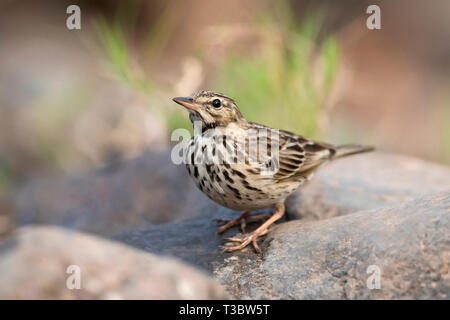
(253, 238)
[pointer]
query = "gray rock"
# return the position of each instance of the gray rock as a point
(33, 265)
(410, 243)
(193, 240)
(329, 259)
(140, 192)
(366, 181)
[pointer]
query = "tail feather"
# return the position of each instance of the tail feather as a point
(349, 149)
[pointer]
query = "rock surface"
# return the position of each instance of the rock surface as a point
(33, 265)
(409, 243)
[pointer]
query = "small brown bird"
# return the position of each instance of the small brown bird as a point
(247, 166)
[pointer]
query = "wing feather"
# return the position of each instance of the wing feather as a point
(299, 156)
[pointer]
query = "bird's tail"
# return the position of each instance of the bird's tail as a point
(349, 149)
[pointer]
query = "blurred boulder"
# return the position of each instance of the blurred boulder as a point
(139, 192)
(34, 264)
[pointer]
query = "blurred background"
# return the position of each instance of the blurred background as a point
(74, 100)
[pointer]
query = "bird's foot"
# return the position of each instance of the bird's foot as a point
(243, 219)
(253, 238)
(262, 230)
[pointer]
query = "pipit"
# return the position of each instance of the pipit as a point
(246, 166)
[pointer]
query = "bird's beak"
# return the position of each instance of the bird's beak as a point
(187, 102)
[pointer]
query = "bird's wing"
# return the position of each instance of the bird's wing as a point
(299, 156)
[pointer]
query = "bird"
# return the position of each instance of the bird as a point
(246, 166)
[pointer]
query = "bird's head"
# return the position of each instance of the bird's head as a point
(212, 109)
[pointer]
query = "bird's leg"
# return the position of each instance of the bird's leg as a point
(257, 217)
(243, 218)
(232, 223)
(258, 232)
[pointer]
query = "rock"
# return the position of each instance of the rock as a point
(366, 181)
(329, 259)
(409, 243)
(144, 191)
(33, 265)
(193, 240)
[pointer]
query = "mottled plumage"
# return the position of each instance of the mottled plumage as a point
(247, 166)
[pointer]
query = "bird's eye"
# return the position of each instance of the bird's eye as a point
(216, 103)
